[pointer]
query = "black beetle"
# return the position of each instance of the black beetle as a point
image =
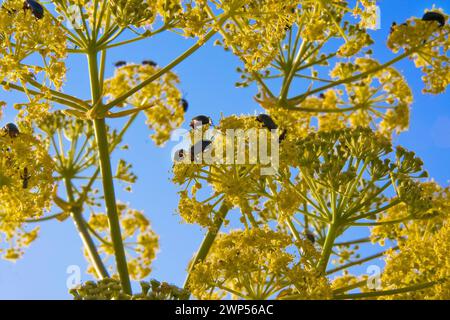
(149, 63)
(185, 104)
(200, 121)
(393, 25)
(199, 147)
(310, 236)
(120, 64)
(434, 16)
(36, 9)
(282, 136)
(25, 177)
(267, 121)
(11, 130)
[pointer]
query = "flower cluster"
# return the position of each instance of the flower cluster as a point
(428, 40)
(26, 184)
(316, 24)
(22, 34)
(138, 238)
(110, 289)
(257, 264)
(345, 174)
(26, 175)
(431, 216)
(135, 12)
(352, 175)
(235, 176)
(194, 211)
(155, 290)
(161, 99)
(256, 28)
(366, 10)
(334, 158)
(195, 20)
(322, 19)
(381, 100)
(105, 289)
(357, 40)
(83, 155)
(383, 97)
(423, 258)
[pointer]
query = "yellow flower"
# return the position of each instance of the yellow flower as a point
(26, 180)
(139, 239)
(256, 28)
(161, 98)
(423, 258)
(21, 36)
(193, 211)
(383, 98)
(111, 289)
(429, 43)
(26, 184)
(134, 12)
(255, 264)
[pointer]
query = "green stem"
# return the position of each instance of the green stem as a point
(347, 243)
(101, 137)
(208, 240)
(358, 284)
(373, 212)
(38, 93)
(88, 243)
(167, 68)
(109, 45)
(328, 247)
(47, 218)
(416, 287)
(111, 149)
(225, 35)
(293, 229)
(292, 70)
(110, 201)
(362, 75)
(58, 94)
(360, 261)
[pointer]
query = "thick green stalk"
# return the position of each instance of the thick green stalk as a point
(327, 247)
(101, 137)
(110, 201)
(208, 240)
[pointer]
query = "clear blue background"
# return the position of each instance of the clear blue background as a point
(208, 79)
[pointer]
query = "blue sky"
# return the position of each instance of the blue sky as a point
(208, 79)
